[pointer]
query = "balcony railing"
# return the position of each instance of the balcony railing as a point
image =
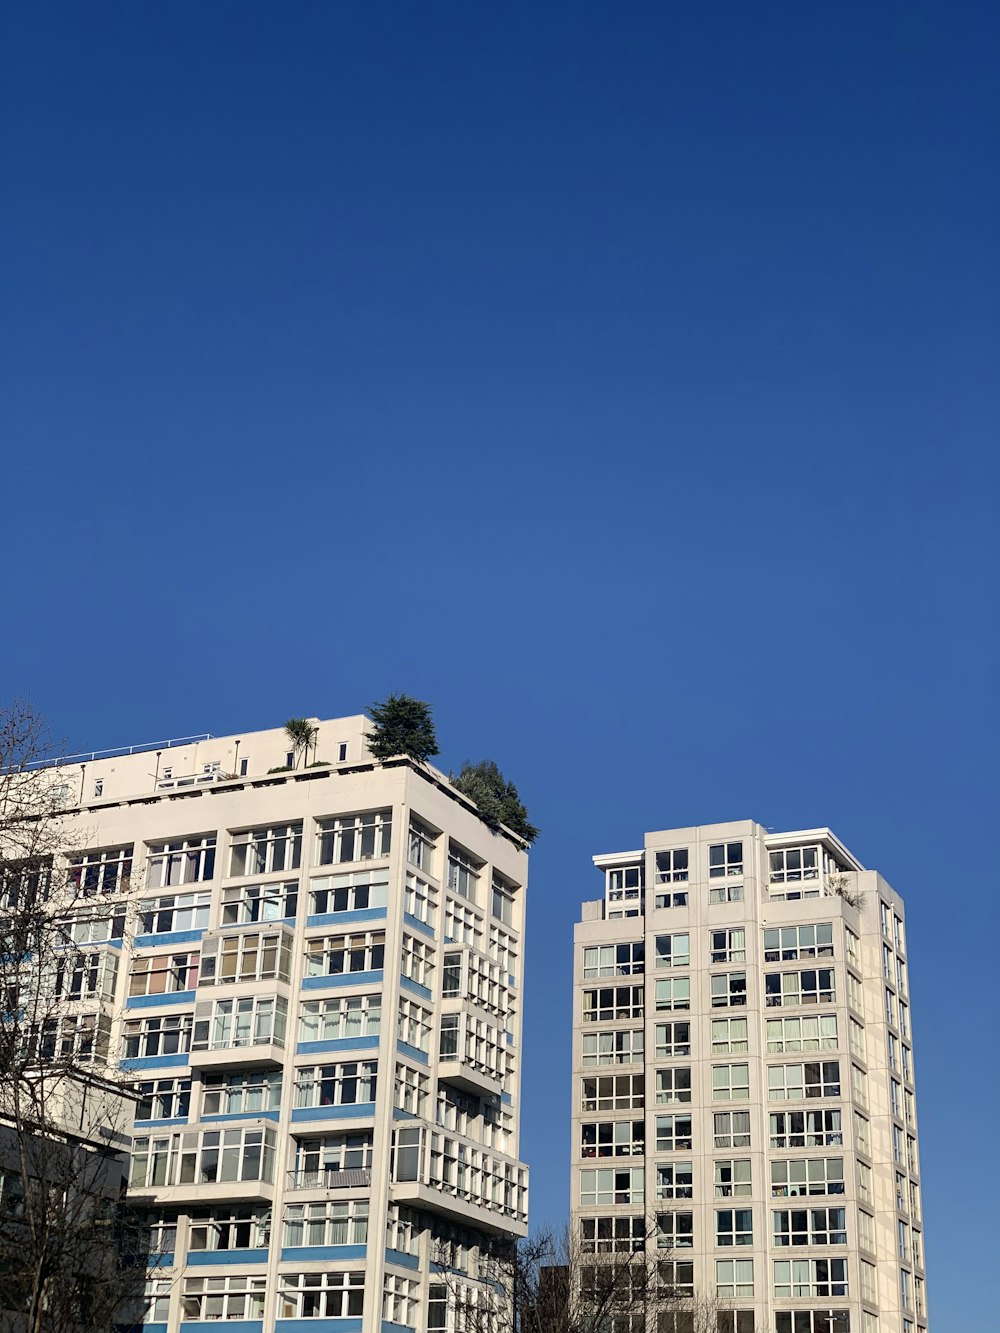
(331, 1178)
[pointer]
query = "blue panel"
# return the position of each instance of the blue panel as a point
(507, 1099)
(163, 1260)
(236, 1325)
(351, 1325)
(244, 1115)
(416, 924)
(359, 1111)
(415, 987)
(154, 1328)
(412, 1052)
(168, 937)
(271, 921)
(307, 1254)
(399, 1114)
(510, 1039)
(404, 1260)
(345, 979)
(154, 1061)
(158, 1001)
(345, 918)
(211, 1258)
(337, 1044)
(388, 1327)
(140, 1126)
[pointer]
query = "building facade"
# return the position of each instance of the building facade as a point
(312, 973)
(743, 1085)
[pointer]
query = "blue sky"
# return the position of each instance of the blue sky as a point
(619, 378)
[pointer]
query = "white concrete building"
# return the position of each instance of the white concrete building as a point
(314, 976)
(743, 1094)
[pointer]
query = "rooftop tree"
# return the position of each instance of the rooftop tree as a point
(498, 800)
(403, 725)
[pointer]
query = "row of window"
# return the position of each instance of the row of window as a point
(793, 1082)
(728, 1036)
(727, 945)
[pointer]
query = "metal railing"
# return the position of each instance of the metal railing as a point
(331, 1178)
(90, 756)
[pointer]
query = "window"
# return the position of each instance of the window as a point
(414, 1024)
(246, 955)
(791, 865)
(816, 1033)
(86, 974)
(463, 872)
(732, 1178)
(243, 1092)
(853, 948)
(348, 1084)
(805, 1129)
(865, 1183)
(157, 1300)
(464, 926)
(674, 1282)
(336, 955)
(854, 998)
(674, 1180)
(897, 1144)
(326, 1223)
(419, 899)
(734, 1279)
(81, 1037)
(329, 1295)
(402, 1230)
(866, 1231)
(856, 1038)
(230, 1229)
(167, 1034)
(809, 1277)
(730, 1082)
(178, 911)
(673, 1086)
(861, 1133)
(614, 1092)
(810, 1226)
(728, 946)
(897, 934)
(502, 896)
(265, 851)
(420, 846)
(729, 1036)
(365, 889)
(355, 837)
(732, 1129)
(886, 962)
(812, 1321)
(734, 1321)
(188, 861)
(890, 1006)
(613, 1002)
(787, 944)
(903, 1240)
(672, 866)
(892, 1044)
(813, 987)
(163, 1099)
(625, 882)
(673, 993)
(612, 1235)
(674, 1231)
(672, 1039)
(900, 1192)
(725, 859)
(678, 898)
(904, 1289)
(812, 1079)
(320, 1161)
(673, 1133)
(237, 1297)
(613, 1048)
(725, 893)
(417, 960)
(400, 1300)
(244, 767)
(225, 1155)
(502, 947)
(729, 990)
(163, 974)
(613, 960)
(673, 950)
(904, 1020)
(907, 1069)
(613, 1138)
(340, 1018)
(611, 1185)
(911, 1153)
(105, 873)
(246, 903)
(410, 1089)
(251, 1020)
(734, 1226)
(885, 918)
(809, 1175)
(895, 1098)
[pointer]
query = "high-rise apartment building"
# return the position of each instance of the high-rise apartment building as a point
(743, 1086)
(313, 975)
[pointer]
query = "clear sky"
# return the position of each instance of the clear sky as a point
(621, 378)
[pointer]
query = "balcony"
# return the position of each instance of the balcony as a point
(470, 1076)
(330, 1178)
(234, 1051)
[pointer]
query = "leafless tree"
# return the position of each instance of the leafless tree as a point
(70, 1255)
(559, 1282)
